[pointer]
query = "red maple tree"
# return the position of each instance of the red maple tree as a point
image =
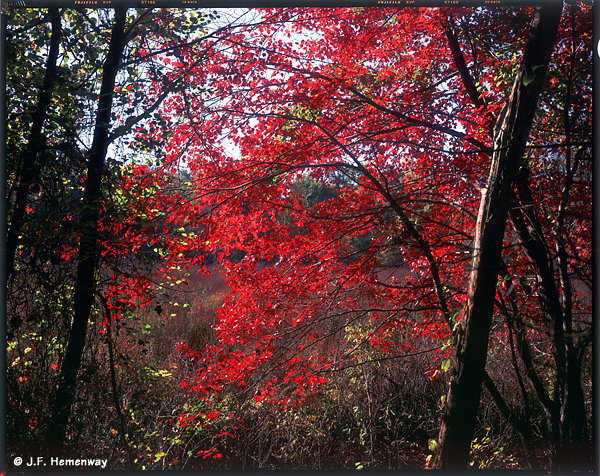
(338, 161)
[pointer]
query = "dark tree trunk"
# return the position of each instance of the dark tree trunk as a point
(568, 419)
(88, 248)
(577, 451)
(29, 166)
(509, 141)
(526, 222)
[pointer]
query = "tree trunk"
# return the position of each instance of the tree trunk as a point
(569, 420)
(509, 141)
(88, 248)
(574, 432)
(29, 167)
(526, 222)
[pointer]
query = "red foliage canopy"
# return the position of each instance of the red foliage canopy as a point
(337, 158)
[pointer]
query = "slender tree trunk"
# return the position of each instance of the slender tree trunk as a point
(526, 222)
(574, 430)
(29, 167)
(510, 138)
(88, 248)
(569, 420)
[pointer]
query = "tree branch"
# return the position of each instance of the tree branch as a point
(461, 65)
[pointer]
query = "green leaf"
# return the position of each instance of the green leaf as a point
(432, 445)
(446, 365)
(527, 80)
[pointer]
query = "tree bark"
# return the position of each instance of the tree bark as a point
(569, 421)
(29, 167)
(88, 248)
(525, 221)
(509, 142)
